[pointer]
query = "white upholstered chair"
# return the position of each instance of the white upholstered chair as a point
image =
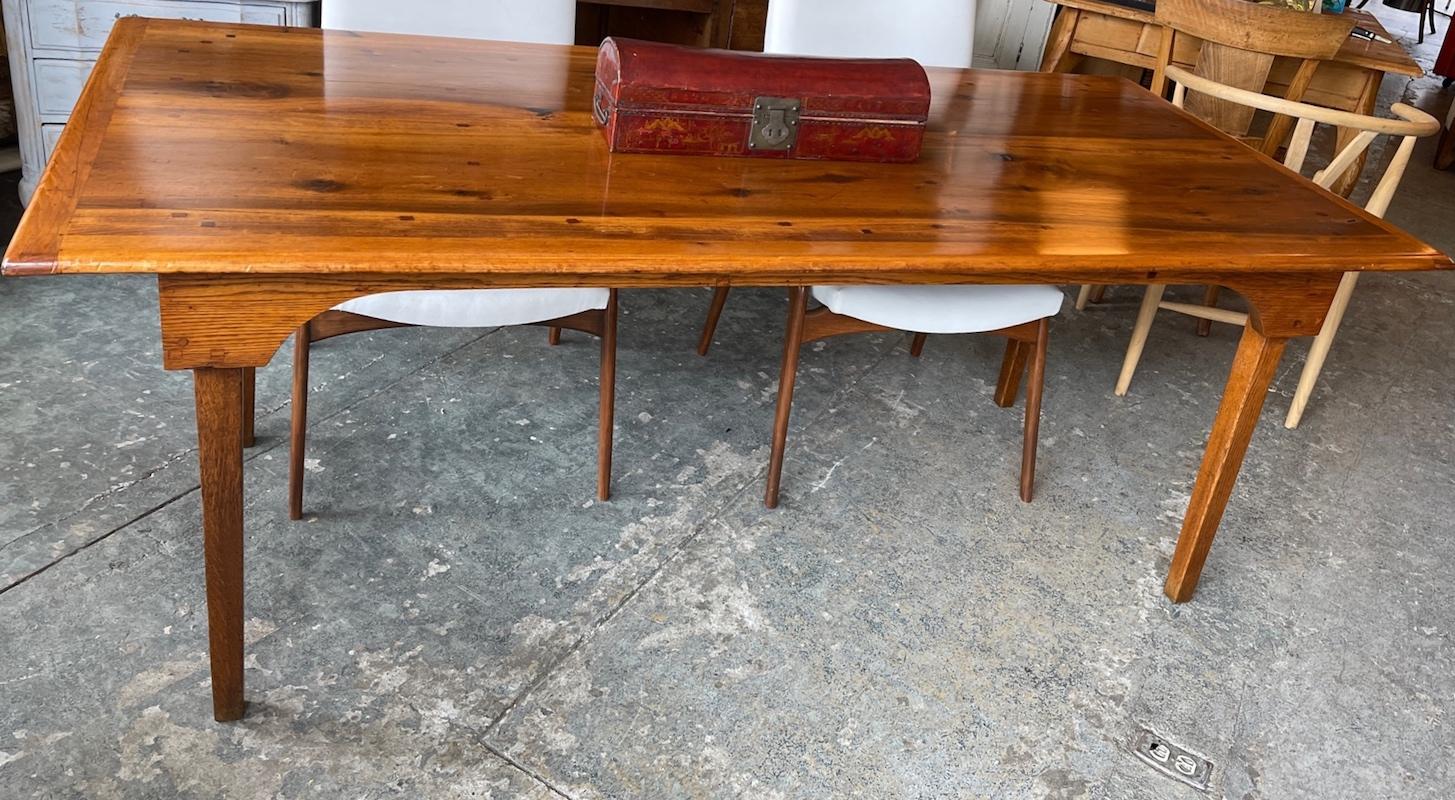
(592, 310)
(935, 33)
(1411, 125)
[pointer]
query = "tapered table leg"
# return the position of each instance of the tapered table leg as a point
(219, 442)
(1242, 401)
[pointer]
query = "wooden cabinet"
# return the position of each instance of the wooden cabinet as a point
(54, 43)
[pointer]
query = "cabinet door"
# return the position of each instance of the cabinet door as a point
(1011, 34)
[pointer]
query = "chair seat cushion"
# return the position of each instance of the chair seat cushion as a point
(942, 309)
(476, 308)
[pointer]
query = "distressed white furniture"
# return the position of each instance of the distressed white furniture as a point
(54, 43)
(1011, 34)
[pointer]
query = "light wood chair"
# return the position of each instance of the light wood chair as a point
(1239, 41)
(1411, 125)
(591, 310)
(940, 33)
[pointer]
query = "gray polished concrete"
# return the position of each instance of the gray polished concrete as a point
(456, 618)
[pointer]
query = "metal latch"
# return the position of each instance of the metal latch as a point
(775, 123)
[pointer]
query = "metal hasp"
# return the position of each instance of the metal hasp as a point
(775, 123)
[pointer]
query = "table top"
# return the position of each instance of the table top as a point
(1383, 56)
(214, 148)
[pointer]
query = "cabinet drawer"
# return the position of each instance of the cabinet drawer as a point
(84, 26)
(48, 136)
(263, 15)
(58, 83)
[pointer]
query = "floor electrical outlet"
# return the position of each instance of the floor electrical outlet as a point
(1172, 760)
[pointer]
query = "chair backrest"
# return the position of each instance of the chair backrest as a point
(1240, 39)
(1411, 125)
(541, 21)
(936, 33)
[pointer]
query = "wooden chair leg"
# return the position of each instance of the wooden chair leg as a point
(1083, 297)
(793, 338)
(249, 400)
(608, 400)
(553, 336)
(1319, 351)
(719, 299)
(1098, 293)
(1012, 366)
(1209, 299)
(1033, 412)
(1150, 299)
(298, 421)
(917, 345)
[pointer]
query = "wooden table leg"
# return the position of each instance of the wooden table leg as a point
(219, 442)
(1058, 56)
(1343, 136)
(1253, 367)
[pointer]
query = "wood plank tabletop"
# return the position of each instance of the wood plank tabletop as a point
(214, 148)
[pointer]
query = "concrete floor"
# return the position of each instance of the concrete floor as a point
(457, 619)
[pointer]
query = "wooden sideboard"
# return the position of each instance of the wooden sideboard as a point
(1101, 33)
(54, 43)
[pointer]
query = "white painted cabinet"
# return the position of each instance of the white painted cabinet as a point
(54, 43)
(1011, 34)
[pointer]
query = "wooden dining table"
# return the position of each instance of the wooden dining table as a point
(263, 175)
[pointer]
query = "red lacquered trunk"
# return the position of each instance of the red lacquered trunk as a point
(662, 98)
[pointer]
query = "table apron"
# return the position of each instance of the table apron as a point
(241, 319)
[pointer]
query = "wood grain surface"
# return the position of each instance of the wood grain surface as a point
(310, 152)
